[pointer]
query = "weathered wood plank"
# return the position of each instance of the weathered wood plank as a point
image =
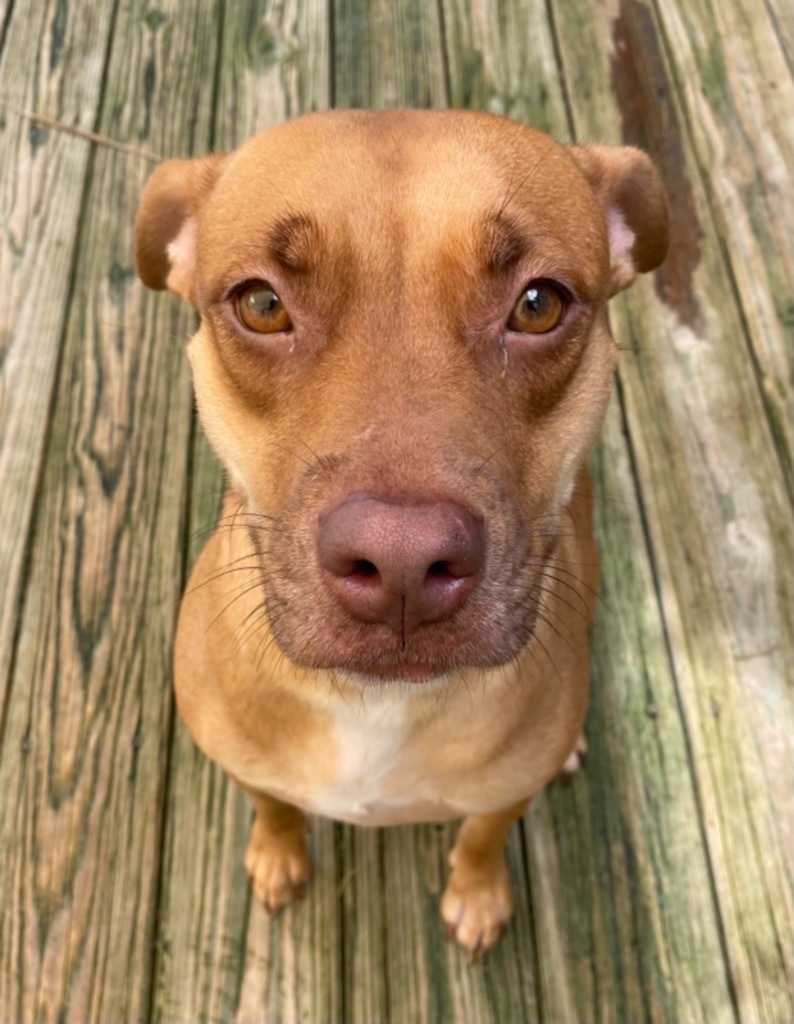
(366, 940)
(52, 63)
(219, 957)
(782, 15)
(716, 510)
(275, 65)
(201, 946)
(605, 856)
(388, 55)
(737, 96)
(6, 7)
(86, 738)
(501, 58)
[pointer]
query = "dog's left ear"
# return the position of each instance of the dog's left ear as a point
(166, 228)
(633, 198)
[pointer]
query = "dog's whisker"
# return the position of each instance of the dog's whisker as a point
(564, 577)
(250, 625)
(292, 452)
(581, 609)
(556, 623)
(220, 574)
(243, 593)
(485, 462)
(535, 643)
(268, 642)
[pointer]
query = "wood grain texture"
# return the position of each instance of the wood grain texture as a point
(501, 58)
(388, 55)
(275, 64)
(781, 15)
(86, 738)
(736, 91)
(45, 68)
(6, 7)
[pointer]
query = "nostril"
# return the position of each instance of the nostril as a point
(440, 571)
(363, 569)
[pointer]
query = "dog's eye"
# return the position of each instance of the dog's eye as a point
(539, 310)
(261, 310)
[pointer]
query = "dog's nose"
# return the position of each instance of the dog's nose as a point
(400, 564)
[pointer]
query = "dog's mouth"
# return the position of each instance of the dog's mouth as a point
(375, 654)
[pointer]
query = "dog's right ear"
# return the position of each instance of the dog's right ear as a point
(166, 228)
(634, 201)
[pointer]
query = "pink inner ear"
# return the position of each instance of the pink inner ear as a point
(182, 256)
(621, 237)
(621, 244)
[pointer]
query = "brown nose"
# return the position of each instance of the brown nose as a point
(400, 564)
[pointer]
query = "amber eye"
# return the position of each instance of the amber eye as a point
(539, 309)
(261, 310)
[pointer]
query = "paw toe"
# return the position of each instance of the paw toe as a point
(476, 913)
(278, 874)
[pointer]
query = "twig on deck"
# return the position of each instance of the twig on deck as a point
(81, 133)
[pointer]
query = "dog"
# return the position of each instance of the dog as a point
(402, 362)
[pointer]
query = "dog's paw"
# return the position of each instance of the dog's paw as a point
(278, 866)
(476, 907)
(574, 761)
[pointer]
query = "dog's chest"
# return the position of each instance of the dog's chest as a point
(381, 777)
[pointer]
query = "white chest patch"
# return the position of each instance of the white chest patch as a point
(380, 780)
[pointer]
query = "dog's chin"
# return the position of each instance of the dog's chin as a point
(387, 677)
(397, 672)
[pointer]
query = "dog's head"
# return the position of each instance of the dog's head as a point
(402, 362)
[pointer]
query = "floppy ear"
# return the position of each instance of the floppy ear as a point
(166, 228)
(631, 193)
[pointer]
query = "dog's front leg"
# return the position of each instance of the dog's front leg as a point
(478, 900)
(276, 859)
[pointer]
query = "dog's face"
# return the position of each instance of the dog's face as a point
(402, 362)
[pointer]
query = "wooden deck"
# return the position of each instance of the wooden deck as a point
(660, 886)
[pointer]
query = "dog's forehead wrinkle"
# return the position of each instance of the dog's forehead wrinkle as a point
(503, 241)
(293, 239)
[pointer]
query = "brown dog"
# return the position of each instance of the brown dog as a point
(402, 362)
